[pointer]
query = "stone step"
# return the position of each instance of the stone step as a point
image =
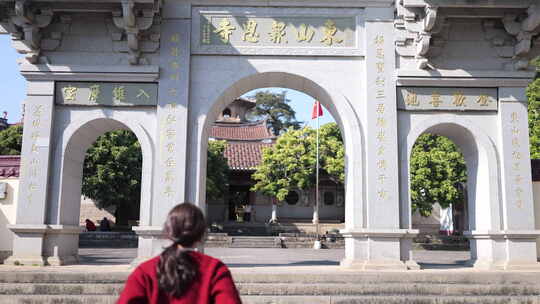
(412, 277)
(265, 289)
(340, 289)
(60, 289)
(255, 242)
(390, 300)
(370, 299)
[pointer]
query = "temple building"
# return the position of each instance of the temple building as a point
(245, 143)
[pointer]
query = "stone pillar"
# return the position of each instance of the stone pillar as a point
(376, 245)
(172, 117)
(514, 246)
(29, 228)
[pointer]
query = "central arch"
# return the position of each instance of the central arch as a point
(337, 105)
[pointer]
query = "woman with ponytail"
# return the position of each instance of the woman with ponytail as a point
(180, 274)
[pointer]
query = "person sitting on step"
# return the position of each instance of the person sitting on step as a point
(181, 274)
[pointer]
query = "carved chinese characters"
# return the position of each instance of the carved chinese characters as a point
(106, 93)
(517, 161)
(168, 132)
(447, 99)
(329, 32)
(32, 159)
(274, 31)
(381, 113)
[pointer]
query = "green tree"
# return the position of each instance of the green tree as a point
(112, 174)
(332, 152)
(217, 172)
(276, 110)
(437, 169)
(291, 163)
(533, 94)
(11, 140)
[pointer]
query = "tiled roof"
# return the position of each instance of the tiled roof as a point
(241, 131)
(245, 155)
(535, 170)
(10, 166)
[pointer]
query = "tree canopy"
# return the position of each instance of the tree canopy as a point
(291, 163)
(533, 93)
(112, 174)
(437, 169)
(275, 108)
(11, 140)
(217, 172)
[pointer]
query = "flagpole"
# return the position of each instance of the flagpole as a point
(316, 217)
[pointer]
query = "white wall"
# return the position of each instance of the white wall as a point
(8, 208)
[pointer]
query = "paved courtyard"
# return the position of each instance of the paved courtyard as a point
(274, 257)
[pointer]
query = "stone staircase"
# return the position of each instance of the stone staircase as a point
(415, 287)
(441, 242)
(255, 242)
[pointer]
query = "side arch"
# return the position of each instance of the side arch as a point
(485, 209)
(69, 153)
(338, 105)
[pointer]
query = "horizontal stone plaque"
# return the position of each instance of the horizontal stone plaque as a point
(106, 94)
(447, 99)
(276, 31)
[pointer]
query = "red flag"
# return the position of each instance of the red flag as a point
(317, 110)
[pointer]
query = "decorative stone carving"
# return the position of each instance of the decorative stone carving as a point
(525, 30)
(28, 24)
(420, 33)
(134, 22)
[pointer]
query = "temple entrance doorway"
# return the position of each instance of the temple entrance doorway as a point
(260, 135)
(438, 189)
(111, 192)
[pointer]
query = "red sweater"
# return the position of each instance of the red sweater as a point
(215, 285)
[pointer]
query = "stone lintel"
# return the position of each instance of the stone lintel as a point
(18, 228)
(125, 73)
(463, 82)
(380, 233)
(511, 94)
(298, 3)
(148, 231)
(507, 234)
(469, 4)
(441, 73)
(64, 229)
(45, 229)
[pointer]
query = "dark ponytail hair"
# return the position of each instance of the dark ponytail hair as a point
(177, 269)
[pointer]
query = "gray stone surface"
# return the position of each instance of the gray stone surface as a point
(424, 45)
(269, 257)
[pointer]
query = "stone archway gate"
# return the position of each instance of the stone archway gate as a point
(387, 70)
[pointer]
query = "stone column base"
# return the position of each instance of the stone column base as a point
(373, 265)
(27, 245)
(151, 243)
(504, 250)
(371, 249)
(41, 245)
(61, 245)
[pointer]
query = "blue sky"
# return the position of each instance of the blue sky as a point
(13, 88)
(12, 84)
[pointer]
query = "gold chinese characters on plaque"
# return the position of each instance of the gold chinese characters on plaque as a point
(229, 30)
(106, 94)
(447, 99)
